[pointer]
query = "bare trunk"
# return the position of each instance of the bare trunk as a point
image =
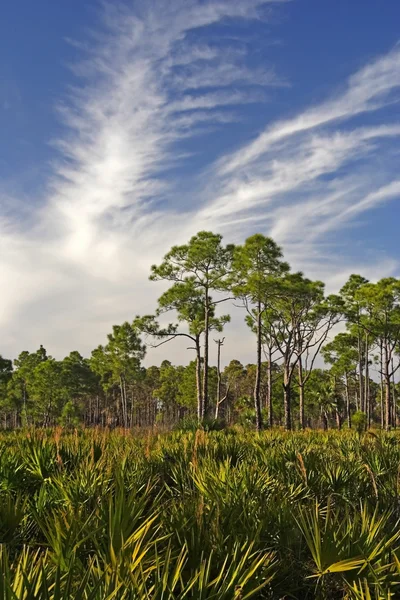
(126, 425)
(219, 344)
(346, 387)
(132, 413)
(387, 389)
(360, 373)
(287, 398)
(269, 390)
(387, 403)
(257, 385)
(394, 404)
(123, 400)
(218, 402)
(301, 392)
(366, 390)
(198, 380)
(382, 386)
(25, 408)
(205, 366)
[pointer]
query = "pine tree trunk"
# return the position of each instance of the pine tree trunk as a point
(218, 379)
(132, 412)
(269, 390)
(382, 389)
(257, 385)
(205, 367)
(366, 393)
(200, 413)
(346, 384)
(387, 389)
(287, 398)
(25, 407)
(360, 372)
(387, 404)
(394, 406)
(301, 392)
(123, 402)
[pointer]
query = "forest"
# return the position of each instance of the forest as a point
(171, 482)
(320, 361)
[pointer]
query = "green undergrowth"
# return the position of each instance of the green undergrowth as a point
(230, 514)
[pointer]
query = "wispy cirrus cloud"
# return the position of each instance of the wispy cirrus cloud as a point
(370, 89)
(79, 260)
(312, 175)
(125, 185)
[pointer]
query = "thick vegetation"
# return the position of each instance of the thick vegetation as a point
(291, 320)
(224, 515)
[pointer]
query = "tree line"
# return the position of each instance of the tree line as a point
(291, 319)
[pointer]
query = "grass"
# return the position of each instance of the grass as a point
(228, 515)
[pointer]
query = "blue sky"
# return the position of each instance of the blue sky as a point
(127, 127)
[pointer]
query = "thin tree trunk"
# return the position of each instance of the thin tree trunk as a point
(125, 407)
(394, 420)
(382, 386)
(128, 420)
(132, 412)
(387, 389)
(123, 401)
(360, 373)
(366, 390)
(198, 380)
(287, 398)
(205, 367)
(269, 389)
(346, 387)
(387, 403)
(25, 410)
(301, 392)
(257, 385)
(219, 344)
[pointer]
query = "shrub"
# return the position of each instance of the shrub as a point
(359, 421)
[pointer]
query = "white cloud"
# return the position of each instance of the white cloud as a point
(115, 203)
(366, 91)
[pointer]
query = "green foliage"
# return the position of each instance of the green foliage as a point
(359, 421)
(341, 353)
(46, 389)
(195, 514)
(69, 415)
(196, 269)
(121, 357)
(256, 265)
(203, 261)
(291, 318)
